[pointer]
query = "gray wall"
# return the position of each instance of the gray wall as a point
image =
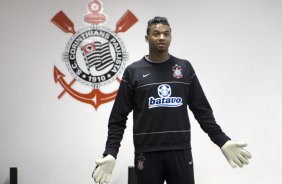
(234, 46)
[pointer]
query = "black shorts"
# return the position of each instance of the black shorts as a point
(174, 167)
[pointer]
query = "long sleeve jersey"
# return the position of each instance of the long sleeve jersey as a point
(158, 94)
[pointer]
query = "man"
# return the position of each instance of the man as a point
(158, 88)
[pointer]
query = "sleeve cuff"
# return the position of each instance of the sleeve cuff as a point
(110, 151)
(221, 140)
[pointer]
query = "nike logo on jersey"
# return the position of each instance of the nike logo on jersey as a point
(146, 75)
(190, 163)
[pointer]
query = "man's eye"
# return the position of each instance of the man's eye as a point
(167, 34)
(156, 34)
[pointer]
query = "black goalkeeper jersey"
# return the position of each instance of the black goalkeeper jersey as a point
(158, 94)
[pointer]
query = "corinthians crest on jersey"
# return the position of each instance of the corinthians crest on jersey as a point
(95, 56)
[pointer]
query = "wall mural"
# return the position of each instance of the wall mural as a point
(95, 55)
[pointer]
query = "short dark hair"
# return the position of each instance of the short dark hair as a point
(157, 20)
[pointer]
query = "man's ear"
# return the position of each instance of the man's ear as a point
(147, 38)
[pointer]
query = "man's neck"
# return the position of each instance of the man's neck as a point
(158, 57)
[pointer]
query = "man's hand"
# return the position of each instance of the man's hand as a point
(102, 173)
(235, 153)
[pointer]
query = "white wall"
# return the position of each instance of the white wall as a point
(235, 47)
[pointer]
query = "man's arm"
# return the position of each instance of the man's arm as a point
(199, 105)
(203, 113)
(117, 123)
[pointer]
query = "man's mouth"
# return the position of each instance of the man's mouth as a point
(161, 44)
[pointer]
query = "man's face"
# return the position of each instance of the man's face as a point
(159, 37)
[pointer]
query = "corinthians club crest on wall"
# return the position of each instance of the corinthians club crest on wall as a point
(95, 55)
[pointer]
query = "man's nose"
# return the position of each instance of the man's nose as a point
(162, 36)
